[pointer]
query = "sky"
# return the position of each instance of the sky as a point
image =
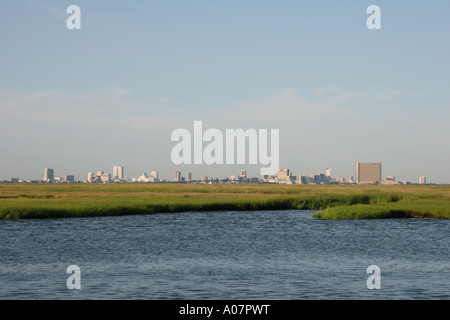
(112, 92)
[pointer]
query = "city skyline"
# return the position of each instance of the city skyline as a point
(215, 173)
(113, 91)
(365, 173)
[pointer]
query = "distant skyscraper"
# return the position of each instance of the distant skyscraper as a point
(154, 174)
(49, 174)
(328, 172)
(283, 174)
(189, 176)
(177, 176)
(90, 176)
(368, 172)
(118, 172)
(423, 180)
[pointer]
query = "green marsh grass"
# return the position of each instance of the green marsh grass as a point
(39, 201)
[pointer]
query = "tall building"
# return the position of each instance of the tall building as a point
(177, 177)
(154, 174)
(283, 174)
(118, 172)
(368, 172)
(49, 174)
(90, 176)
(189, 176)
(328, 173)
(423, 180)
(106, 177)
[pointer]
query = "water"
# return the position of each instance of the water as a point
(224, 255)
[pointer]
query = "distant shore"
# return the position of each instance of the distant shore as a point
(40, 201)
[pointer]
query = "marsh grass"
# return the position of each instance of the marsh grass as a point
(38, 201)
(425, 207)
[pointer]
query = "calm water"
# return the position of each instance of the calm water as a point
(224, 255)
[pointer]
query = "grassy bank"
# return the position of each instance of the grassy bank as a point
(383, 211)
(25, 201)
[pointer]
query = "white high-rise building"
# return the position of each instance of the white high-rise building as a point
(177, 176)
(189, 176)
(118, 172)
(90, 176)
(154, 174)
(328, 173)
(423, 180)
(49, 174)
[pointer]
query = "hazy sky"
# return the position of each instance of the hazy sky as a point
(113, 92)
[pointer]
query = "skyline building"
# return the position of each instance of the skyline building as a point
(283, 174)
(49, 174)
(118, 172)
(106, 177)
(189, 176)
(423, 180)
(154, 174)
(368, 172)
(177, 176)
(143, 178)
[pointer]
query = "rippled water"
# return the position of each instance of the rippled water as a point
(224, 255)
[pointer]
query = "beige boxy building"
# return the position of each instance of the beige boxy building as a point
(283, 174)
(368, 172)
